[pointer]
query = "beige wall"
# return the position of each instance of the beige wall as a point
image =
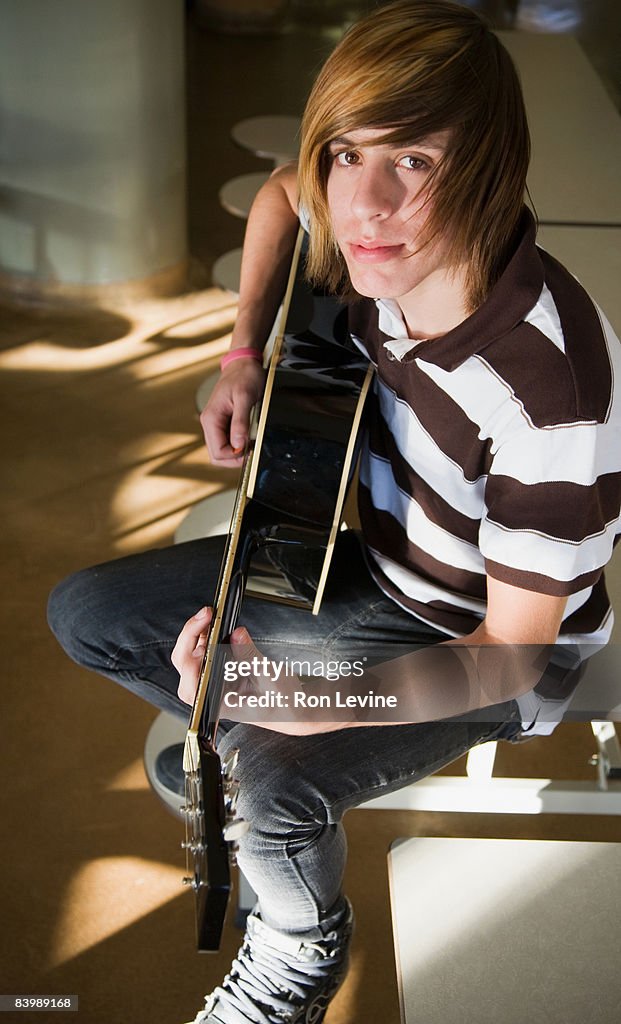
(92, 140)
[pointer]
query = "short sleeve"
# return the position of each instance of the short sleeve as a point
(552, 501)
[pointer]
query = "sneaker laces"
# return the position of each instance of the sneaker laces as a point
(272, 975)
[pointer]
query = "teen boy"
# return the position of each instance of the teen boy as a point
(489, 485)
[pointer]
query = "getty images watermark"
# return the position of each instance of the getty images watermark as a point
(297, 683)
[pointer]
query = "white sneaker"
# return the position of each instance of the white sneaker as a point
(279, 978)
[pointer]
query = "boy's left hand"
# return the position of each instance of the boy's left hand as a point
(187, 657)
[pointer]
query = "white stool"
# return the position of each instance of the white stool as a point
(237, 195)
(227, 270)
(207, 518)
(166, 731)
(274, 137)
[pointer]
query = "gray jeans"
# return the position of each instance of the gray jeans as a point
(121, 620)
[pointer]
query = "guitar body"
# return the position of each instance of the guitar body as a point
(282, 534)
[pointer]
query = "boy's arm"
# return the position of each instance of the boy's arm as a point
(268, 247)
(501, 659)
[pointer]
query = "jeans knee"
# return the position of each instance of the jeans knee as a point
(73, 616)
(281, 801)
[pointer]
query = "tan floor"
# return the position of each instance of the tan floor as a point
(102, 456)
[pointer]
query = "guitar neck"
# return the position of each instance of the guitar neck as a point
(205, 712)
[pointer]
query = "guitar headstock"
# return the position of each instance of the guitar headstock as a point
(212, 834)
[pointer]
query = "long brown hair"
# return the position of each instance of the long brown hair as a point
(416, 67)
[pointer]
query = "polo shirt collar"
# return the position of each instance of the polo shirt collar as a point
(511, 298)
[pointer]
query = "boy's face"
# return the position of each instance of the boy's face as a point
(376, 196)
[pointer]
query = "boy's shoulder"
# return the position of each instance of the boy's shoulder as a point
(559, 360)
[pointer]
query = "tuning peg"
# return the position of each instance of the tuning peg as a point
(231, 792)
(229, 763)
(235, 830)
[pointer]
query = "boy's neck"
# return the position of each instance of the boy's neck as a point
(436, 306)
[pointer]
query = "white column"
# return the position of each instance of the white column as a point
(92, 144)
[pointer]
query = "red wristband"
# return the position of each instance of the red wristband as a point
(240, 353)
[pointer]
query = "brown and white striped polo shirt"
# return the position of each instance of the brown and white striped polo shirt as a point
(495, 450)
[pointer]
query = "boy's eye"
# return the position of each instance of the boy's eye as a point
(413, 163)
(347, 158)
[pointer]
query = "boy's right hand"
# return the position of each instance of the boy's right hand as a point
(226, 417)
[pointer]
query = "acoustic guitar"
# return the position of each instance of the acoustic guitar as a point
(283, 528)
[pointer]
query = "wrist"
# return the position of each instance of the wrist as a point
(241, 353)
